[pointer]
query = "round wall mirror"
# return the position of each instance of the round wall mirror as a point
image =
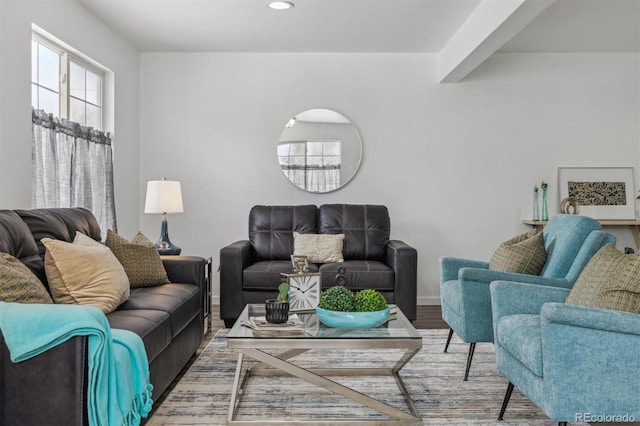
(319, 150)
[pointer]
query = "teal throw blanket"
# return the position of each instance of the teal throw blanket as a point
(119, 392)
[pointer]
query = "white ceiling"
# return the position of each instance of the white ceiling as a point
(357, 25)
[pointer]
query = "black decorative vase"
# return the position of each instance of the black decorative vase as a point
(277, 312)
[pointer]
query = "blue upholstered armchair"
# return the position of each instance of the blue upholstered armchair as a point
(570, 241)
(574, 362)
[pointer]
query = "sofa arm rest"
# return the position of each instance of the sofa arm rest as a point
(234, 258)
(185, 269)
(594, 351)
(511, 298)
(50, 388)
(403, 259)
(489, 275)
(449, 267)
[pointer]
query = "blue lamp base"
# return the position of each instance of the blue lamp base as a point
(164, 244)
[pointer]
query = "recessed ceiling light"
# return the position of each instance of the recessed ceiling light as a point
(280, 5)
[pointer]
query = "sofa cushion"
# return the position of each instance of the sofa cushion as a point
(366, 229)
(85, 272)
(360, 274)
(611, 280)
(319, 248)
(16, 239)
(524, 254)
(271, 229)
(19, 284)
(180, 301)
(521, 337)
(60, 224)
(266, 274)
(140, 259)
(154, 327)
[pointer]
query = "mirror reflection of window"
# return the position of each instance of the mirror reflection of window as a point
(314, 166)
(319, 150)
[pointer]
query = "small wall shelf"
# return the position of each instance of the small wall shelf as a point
(634, 225)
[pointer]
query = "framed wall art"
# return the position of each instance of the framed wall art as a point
(604, 193)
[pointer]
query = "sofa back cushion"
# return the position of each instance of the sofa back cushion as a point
(16, 239)
(564, 237)
(366, 229)
(271, 229)
(58, 224)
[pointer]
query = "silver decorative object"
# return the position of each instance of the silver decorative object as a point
(569, 205)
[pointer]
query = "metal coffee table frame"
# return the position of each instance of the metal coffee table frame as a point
(242, 339)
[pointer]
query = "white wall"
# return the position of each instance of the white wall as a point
(75, 26)
(455, 163)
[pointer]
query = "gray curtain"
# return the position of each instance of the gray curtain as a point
(72, 167)
(314, 178)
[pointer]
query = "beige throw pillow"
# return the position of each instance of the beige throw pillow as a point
(524, 254)
(85, 272)
(611, 280)
(19, 284)
(319, 248)
(140, 259)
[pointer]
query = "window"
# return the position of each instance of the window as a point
(312, 165)
(72, 158)
(65, 85)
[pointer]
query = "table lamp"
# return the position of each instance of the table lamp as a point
(164, 196)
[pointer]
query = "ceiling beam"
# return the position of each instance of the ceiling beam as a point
(489, 27)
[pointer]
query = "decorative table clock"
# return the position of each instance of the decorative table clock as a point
(304, 286)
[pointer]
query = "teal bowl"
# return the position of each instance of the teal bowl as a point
(352, 319)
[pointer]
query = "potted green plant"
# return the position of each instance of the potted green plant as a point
(277, 310)
(340, 307)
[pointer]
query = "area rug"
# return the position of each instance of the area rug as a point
(433, 378)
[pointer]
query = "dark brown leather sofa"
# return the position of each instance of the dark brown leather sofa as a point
(51, 388)
(250, 269)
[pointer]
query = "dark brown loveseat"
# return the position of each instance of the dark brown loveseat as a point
(51, 388)
(250, 269)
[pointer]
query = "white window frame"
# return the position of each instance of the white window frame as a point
(67, 55)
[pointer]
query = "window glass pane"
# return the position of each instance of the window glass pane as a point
(49, 101)
(94, 89)
(93, 116)
(48, 68)
(297, 149)
(332, 148)
(299, 161)
(333, 160)
(76, 111)
(34, 96)
(314, 148)
(283, 150)
(314, 161)
(76, 81)
(34, 61)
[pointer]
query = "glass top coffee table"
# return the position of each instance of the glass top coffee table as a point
(276, 354)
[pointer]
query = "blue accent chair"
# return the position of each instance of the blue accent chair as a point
(574, 362)
(570, 242)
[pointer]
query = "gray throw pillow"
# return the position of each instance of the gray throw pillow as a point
(19, 284)
(140, 259)
(524, 254)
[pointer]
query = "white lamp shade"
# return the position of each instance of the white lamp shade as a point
(163, 196)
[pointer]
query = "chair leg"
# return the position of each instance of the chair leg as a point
(472, 348)
(446, 346)
(507, 396)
